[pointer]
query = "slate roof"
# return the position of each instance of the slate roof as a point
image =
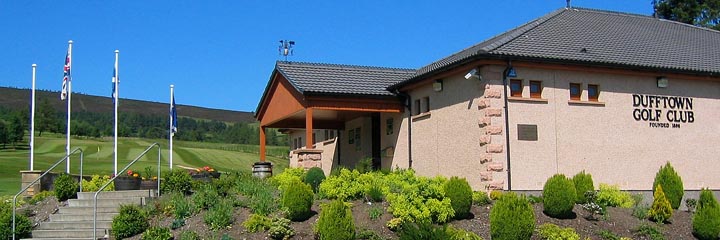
(594, 37)
(334, 79)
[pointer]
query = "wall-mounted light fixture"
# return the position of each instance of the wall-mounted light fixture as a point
(662, 82)
(438, 85)
(473, 73)
(511, 72)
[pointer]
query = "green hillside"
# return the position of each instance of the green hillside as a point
(49, 149)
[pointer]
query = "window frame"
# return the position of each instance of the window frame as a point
(537, 94)
(416, 107)
(517, 93)
(426, 105)
(596, 96)
(579, 94)
(389, 126)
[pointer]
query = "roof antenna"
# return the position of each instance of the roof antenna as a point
(567, 2)
(655, 12)
(286, 48)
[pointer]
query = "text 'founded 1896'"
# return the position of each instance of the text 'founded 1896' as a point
(663, 111)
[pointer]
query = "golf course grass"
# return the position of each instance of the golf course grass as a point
(98, 157)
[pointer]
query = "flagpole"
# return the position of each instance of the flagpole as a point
(69, 97)
(172, 103)
(116, 98)
(32, 122)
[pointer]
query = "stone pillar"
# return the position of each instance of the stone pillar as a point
(308, 158)
(26, 178)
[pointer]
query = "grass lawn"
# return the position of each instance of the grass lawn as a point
(98, 157)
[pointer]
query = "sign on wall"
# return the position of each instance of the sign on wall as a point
(527, 132)
(663, 111)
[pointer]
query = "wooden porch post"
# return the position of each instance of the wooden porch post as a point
(262, 144)
(309, 128)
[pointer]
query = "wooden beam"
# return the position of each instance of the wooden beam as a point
(309, 128)
(262, 144)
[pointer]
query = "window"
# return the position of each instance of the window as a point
(295, 143)
(575, 91)
(332, 134)
(535, 89)
(516, 88)
(358, 144)
(416, 107)
(389, 126)
(351, 136)
(593, 92)
(426, 101)
(313, 139)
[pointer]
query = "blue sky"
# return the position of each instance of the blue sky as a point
(219, 54)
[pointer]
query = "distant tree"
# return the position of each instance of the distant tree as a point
(3, 134)
(45, 117)
(704, 13)
(16, 130)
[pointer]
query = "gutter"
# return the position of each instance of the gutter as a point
(507, 124)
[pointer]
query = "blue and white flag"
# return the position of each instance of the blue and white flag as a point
(173, 117)
(114, 90)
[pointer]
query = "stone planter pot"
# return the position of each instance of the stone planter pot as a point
(201, 177)
(126, 183)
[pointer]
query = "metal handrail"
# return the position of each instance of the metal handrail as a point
(42, 175)
(116, 175)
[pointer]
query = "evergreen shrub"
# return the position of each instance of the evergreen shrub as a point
(131, 220)
(671, 183)
(287, 176)
(280, 229)
(480, 198)
(559, 196)
(177, 180)
(335, 222)
(583, 183)
(96, 182)
(706, 220)
(611, 196)
(23, 225)
(551, 231)
(65, 187)
(256, 223)
(297, 198)
(512, 218)
(460, 194)
(157, 233)
(660, 211)
(314, 177)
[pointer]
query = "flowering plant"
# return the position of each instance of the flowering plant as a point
(204, 171)
(131, 174)
(148, 174)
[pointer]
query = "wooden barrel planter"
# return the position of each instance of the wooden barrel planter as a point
(127, 183)
(262, 169)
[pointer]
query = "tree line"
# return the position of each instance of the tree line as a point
(15, 123)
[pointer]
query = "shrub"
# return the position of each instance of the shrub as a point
(257, 223)
(559, 196)
(706, 220)
(660, 210)
(394, 224)
(480, 198)
(96, 182)
(189, 235)
(65, 187)
(367, 234)
(592, 205)
(691, 203)
(649, 231)
(181, 206)
(461, 234)
(280, 229)
(157, 233)
(423, 231)
(511, 217)
(374, 193)
(296, 200)
(335, 222)
(39, 197)
(260, 195)
(364, 165)
(288, 175)
(611, 196)
(672, 184)
(23, 225)
(225, 184)
(206, 197)
(460, 194)
(375, 212)
(583, 183)
(131, 221)
(177, 180)
(640, 211)
(343, 186)
(314, 177)
(177, 223)
(551, 231)
(220, 216)
(495, 194)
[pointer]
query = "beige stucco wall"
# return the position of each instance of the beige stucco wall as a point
(607, 141)
(328, 147)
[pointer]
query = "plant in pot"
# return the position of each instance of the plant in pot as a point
(129, 181)
(149, 181)
(204, 173)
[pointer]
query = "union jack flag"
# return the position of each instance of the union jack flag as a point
(66, 76)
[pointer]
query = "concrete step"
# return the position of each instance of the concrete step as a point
(82, 210)
(117, 194)
(57, 225)
(57, 238)
(81, 217)
(72, 233)
(106, 202)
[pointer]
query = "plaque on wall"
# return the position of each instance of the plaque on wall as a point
(527, 132)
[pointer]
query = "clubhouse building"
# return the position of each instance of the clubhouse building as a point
(614, 94)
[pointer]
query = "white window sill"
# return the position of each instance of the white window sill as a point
(522, 99)
(580, 102)
(421, 116)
